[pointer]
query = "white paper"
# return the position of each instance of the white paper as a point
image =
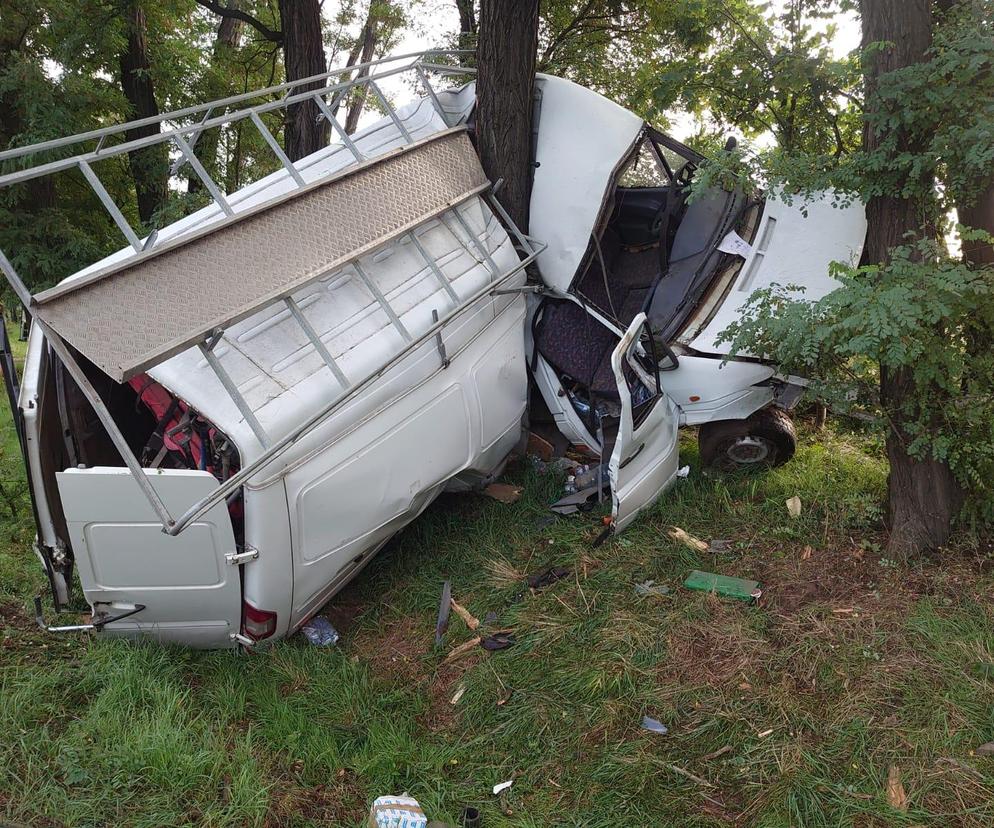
(503, 786)
(683, 471)
(734, 243)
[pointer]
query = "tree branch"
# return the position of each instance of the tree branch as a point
(238, 14)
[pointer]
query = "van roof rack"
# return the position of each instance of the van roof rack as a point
(327, 223)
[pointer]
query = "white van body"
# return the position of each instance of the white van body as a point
(445, 414)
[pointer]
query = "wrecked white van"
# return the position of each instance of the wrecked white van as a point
(222, 423)
(640, 281)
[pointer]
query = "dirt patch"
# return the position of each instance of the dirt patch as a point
(16, 617)
(338, 802)
(344, 610)
(441, 713)
(715, 649)
(814, 576)
(396, 651)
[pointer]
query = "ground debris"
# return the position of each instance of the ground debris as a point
(794, 506)
(540, 447)
(741, 588)
(986, 749)
(503, 492)
(647, 588)
(500, 787)
(547, 577)
(895, 789)
(681, 535)
(445, 604)
(471, 620)
(462, 649)
(707, 757)
(320, 632)
(498, 641)
(654, 725)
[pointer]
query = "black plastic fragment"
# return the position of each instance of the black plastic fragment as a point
(498, 641)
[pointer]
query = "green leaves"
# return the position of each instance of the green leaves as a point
(924, 312)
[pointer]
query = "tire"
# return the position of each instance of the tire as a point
(765, 439)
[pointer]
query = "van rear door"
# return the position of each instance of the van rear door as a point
(189, 589)
(644, 458)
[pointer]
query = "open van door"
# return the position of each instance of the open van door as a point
(188, 586)
(644, 458)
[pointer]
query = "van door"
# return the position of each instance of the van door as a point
(189, 590)
(644, 458)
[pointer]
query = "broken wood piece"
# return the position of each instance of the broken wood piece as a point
(471, 620)
(686, 773)
(896, 795)
(503, 492)
(679, 534)
(462, 649)
(707, 757)
(540, 447)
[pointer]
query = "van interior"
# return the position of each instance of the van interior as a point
(655, 253)
(161, 430)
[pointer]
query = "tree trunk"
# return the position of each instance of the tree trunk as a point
(980, 216)
(923, 496)
(467, 27)
(358, 98)
(229, 35)
(303, 55)
(149, 166)
(508, 40)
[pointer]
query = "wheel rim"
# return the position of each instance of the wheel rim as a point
(745, 451)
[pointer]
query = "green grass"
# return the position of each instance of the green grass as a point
(849, 665)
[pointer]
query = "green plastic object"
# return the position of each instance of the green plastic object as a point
(740, 588)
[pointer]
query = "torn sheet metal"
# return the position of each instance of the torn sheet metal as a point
(119, 319)
(574, 168)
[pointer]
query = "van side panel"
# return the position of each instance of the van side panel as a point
(346, 499)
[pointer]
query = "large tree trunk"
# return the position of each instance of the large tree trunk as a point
(980, 216)
(923, 496)
(508, 40)
(303, 55)
(149, 166)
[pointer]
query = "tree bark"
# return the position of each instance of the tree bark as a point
(229, 35)
(923, 496)
(467, 25)
(303, 55)
(508, 41)
(149, 166)
(367, 38)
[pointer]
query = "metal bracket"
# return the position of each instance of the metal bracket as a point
(96, 624)
(540, 290)
(238, 558)
(438, 340)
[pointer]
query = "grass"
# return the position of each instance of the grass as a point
(786, 713)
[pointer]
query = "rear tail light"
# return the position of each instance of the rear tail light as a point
(257, 623)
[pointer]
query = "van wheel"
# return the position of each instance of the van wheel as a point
(767, 438)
